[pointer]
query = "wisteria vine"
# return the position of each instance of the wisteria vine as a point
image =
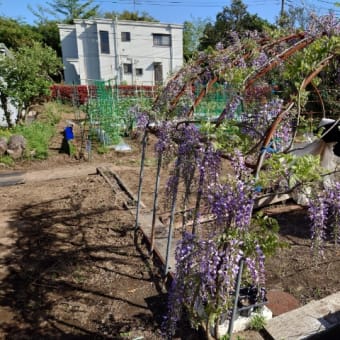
(206, 267)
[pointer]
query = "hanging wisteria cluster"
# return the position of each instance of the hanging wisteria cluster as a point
(204, 281)
(326, 24)
(324, 213)
(206, 267)
(232, 203)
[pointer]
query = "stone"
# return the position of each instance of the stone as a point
(3, 146)
(16, 142)
(16, 146)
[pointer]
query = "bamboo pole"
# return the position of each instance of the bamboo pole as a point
(155, 203)
(172, 218)
(141, 174)
(237, 292)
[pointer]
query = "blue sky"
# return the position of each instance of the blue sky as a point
(174, 11)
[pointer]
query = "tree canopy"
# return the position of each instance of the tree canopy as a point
(73, 9)
(27, 76)
(49, 32)
(127, 15)
(15, 34)
(232, 19)
(192, 32)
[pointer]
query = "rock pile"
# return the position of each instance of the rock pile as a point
(15, 146)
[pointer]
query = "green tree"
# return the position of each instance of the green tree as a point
(294, 17)
(26, 77)
(192, 32)
(126, 15)
(46, 28)
(15, 34)
(40, 13)
(232, 19)
(49, 33)
(73, 9)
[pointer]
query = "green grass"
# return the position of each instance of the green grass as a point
(5, 132)
(7, 160)
(102, 149)
(52, 113)
(257, 322)
(37, 133)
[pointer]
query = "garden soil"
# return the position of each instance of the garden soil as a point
(71, 266)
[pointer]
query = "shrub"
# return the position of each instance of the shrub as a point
(7, 160)
(257, 322)
(37, 135)
(39, 132)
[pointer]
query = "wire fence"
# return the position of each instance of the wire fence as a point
(111, 108)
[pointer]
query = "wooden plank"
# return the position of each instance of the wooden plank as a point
(12, 178)
(115, 186)
(161, 238)
(101, 171)
(126, 189)
(270, 199)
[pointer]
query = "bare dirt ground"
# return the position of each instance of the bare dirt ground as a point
(70, 267)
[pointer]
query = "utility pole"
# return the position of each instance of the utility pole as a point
(282, 7)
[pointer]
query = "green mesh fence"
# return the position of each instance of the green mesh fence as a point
(111, 116)
(214, 102)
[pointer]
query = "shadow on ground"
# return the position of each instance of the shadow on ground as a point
(74, 272)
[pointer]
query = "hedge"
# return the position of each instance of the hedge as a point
(79, 94)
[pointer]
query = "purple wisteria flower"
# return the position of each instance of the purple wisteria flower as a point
(189, 151)
(142, 120)
(239, 166)
(333, 201)
(258, 121)
(318, 212)
(260, 60)
(165, 143)
(326, 24)
(232, 107)
(324, 213)
(209, 166)
(206, 272)
(232, 203)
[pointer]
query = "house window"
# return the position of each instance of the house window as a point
(161, 39)
(126, 36)
(139, 71)
(127, 68)
(104, 42)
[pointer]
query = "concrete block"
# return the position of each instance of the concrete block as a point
(306, 321)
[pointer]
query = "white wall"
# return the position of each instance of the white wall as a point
(12, 108)
(140, 51)
(68, 40)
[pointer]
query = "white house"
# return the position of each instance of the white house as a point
(128, 52)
